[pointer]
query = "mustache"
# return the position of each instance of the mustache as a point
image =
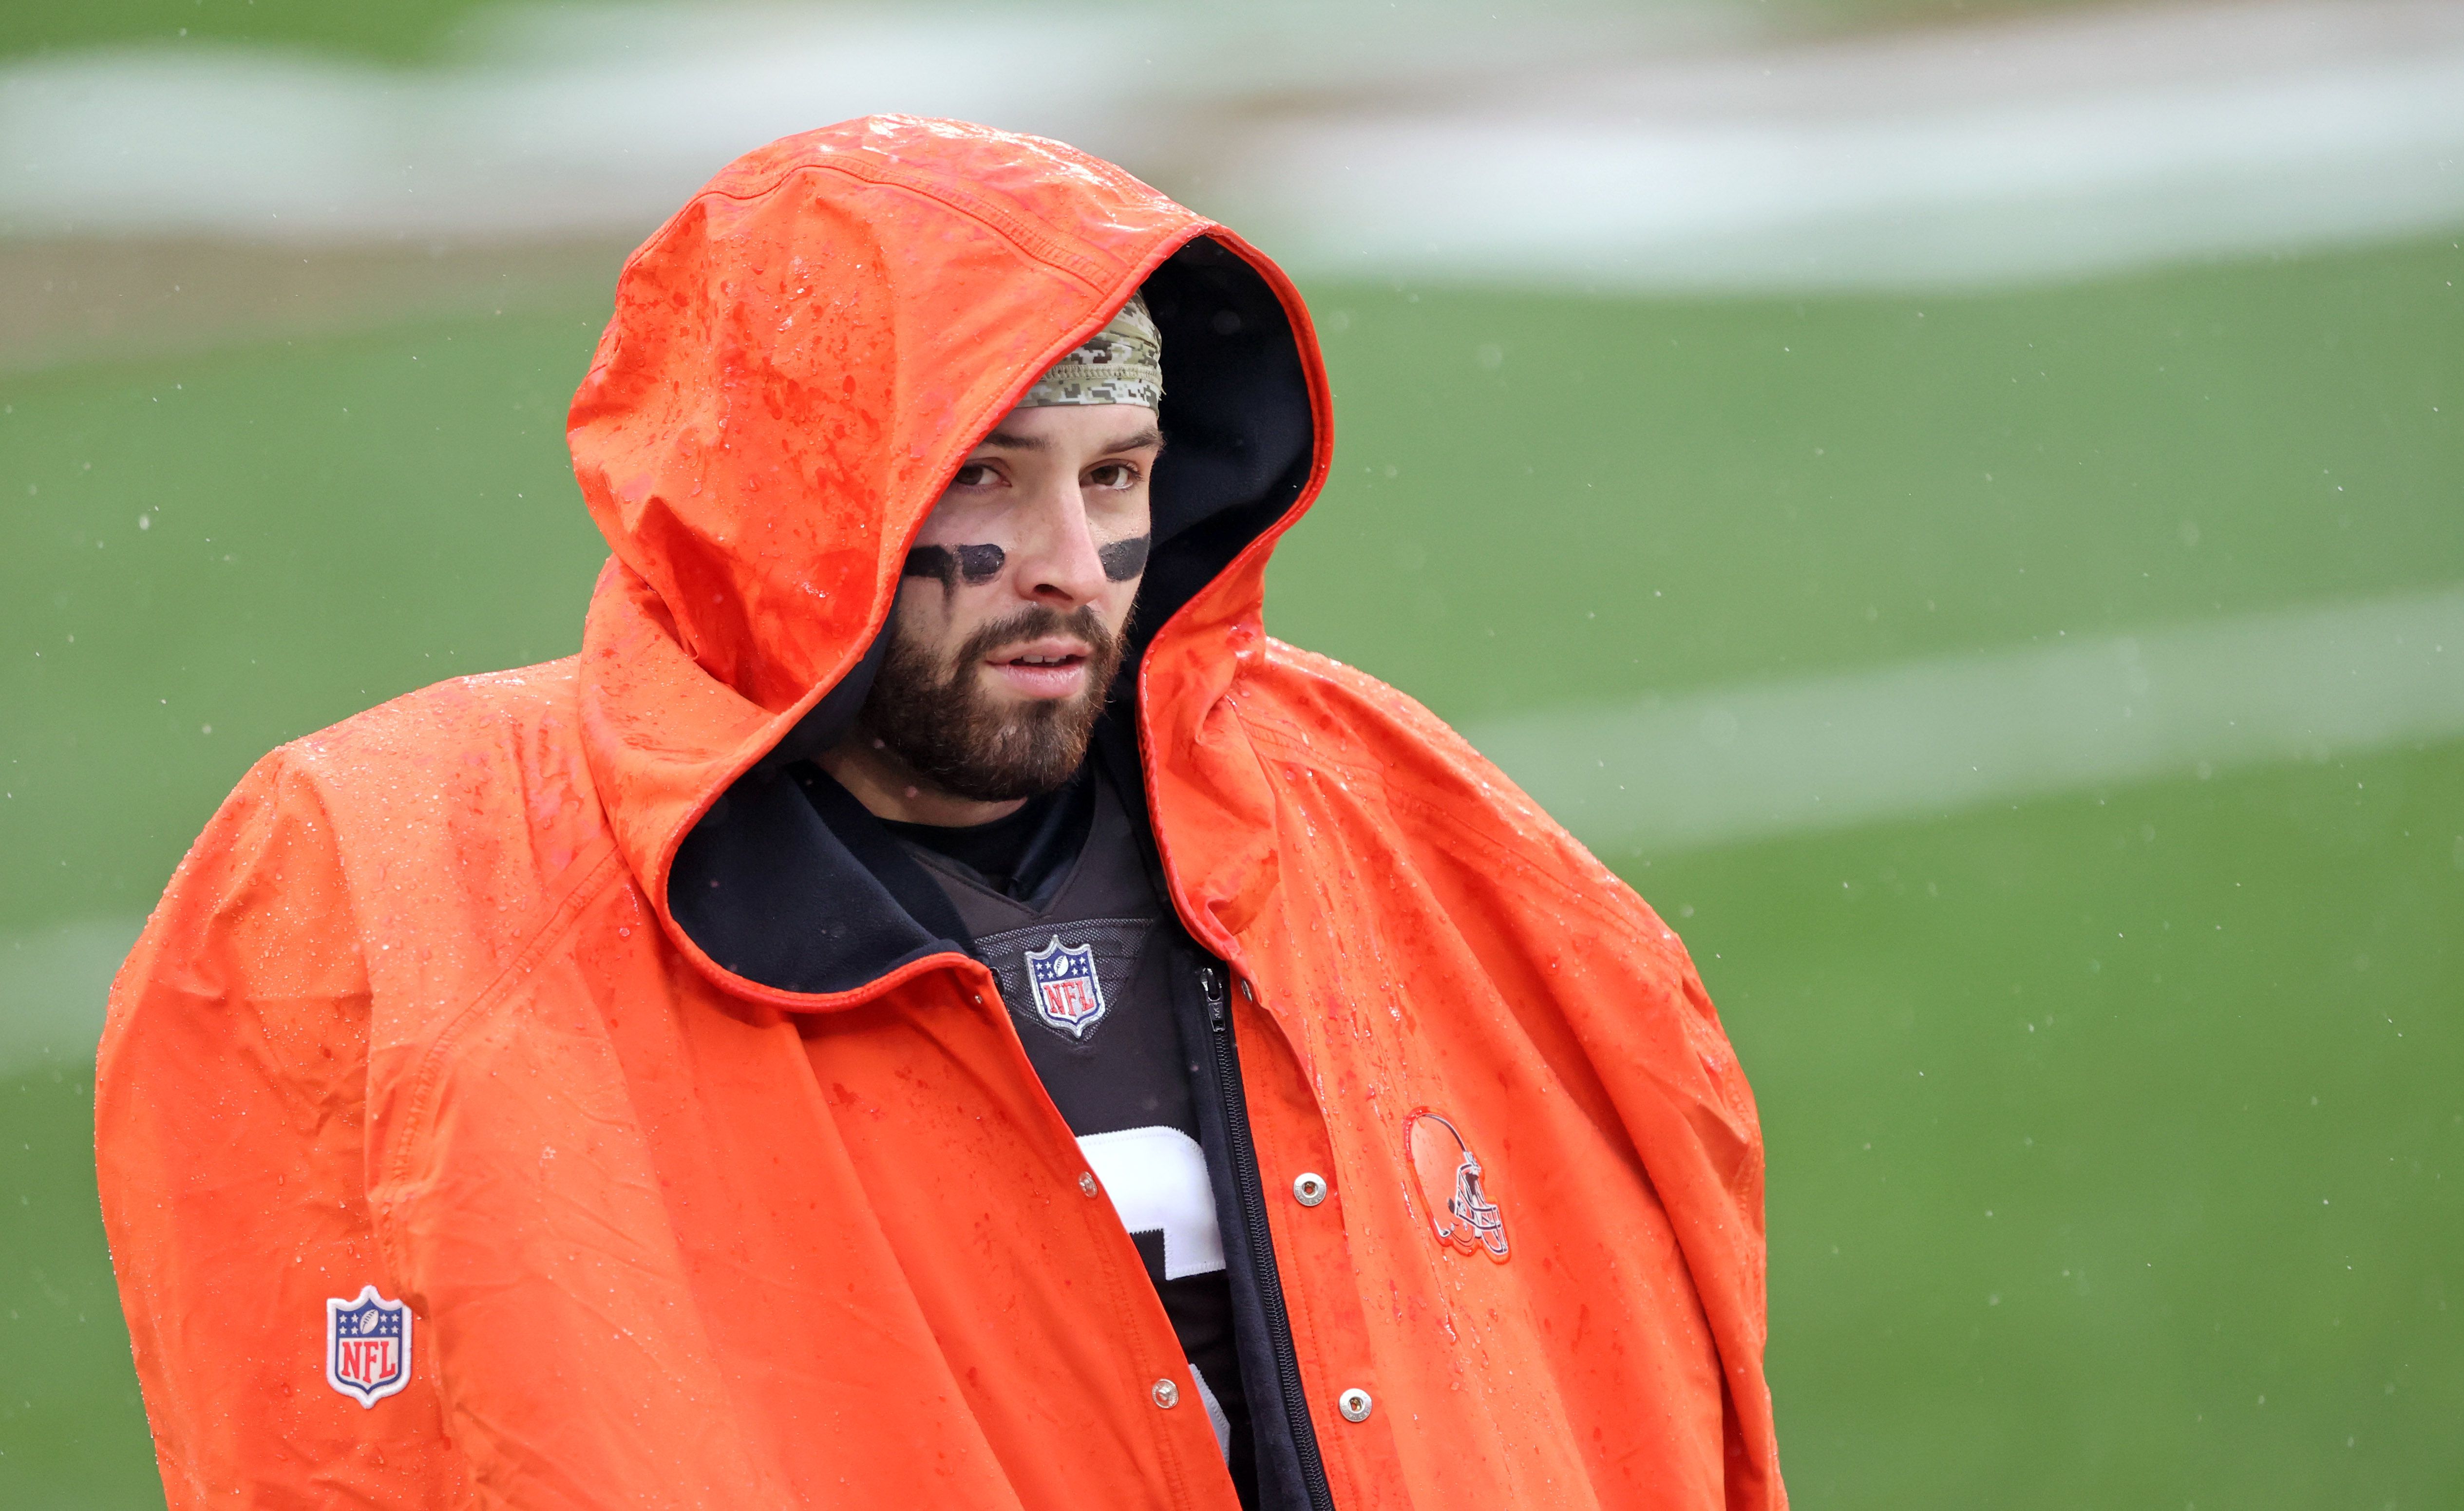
(1038, 620)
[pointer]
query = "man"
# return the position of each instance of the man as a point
(931, 1007)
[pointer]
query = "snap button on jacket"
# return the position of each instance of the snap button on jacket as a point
(751, 1199)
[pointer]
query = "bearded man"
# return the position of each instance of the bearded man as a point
(932, 1006)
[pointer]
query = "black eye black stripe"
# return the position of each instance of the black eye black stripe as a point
(947, 564)
(1124, 559)
(978, 564)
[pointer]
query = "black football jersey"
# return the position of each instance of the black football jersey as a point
(1085, 964)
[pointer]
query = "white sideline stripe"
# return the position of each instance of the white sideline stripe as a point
(52, 984)
(604, 118)
(1668, 148)
(1958, 732)
(2053, 148)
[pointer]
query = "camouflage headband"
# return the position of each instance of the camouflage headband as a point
(1121, 363)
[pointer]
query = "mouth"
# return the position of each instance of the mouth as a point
(1052, 667)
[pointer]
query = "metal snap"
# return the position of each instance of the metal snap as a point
(1353, 1404)
(1086, 1183)
(1168, 1395)
(1310, 1189)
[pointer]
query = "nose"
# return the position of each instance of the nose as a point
(1060, 566)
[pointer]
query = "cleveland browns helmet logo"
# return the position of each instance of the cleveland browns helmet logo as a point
(1448, 1180)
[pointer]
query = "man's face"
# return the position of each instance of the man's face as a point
(1010, 620)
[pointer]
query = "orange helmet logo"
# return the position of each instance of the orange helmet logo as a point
(1447, 1179)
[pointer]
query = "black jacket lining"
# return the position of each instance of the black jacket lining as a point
(788, 881)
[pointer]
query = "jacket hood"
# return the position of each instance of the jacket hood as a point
(798, 361)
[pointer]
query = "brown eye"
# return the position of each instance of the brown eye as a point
(1113, 475)
(975, 475)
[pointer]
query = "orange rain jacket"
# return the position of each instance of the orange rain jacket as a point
(418, 1013)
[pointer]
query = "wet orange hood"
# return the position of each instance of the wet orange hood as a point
(798, 361)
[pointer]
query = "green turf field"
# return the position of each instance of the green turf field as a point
(2108, 1130)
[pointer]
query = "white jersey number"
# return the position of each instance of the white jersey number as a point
(1157, 1178)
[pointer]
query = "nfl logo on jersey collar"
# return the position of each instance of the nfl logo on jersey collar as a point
(367, 1345)
(1061, 984)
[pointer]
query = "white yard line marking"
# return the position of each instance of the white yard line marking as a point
(53, 983)
(1960, 731)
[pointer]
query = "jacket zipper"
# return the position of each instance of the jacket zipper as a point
(1261, 1244)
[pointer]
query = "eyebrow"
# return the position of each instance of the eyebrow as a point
(1011, 441)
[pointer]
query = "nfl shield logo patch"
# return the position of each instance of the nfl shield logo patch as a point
(1063, 985)
(367, 1345)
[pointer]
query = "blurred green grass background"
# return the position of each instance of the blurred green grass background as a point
(421, 30)
(2107, 1130)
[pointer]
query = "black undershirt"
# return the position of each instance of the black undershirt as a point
(1015, 855)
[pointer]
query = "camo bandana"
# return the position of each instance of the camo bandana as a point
(1121, 363)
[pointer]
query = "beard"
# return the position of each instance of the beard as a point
(935, 715)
